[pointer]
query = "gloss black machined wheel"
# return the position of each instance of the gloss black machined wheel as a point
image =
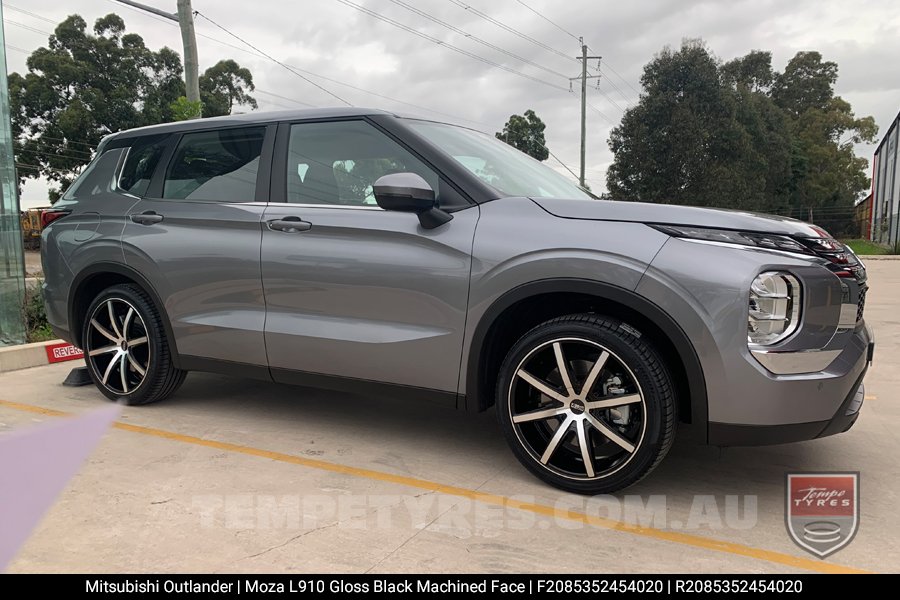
(117, 346)
(126, 348)
(586, 404)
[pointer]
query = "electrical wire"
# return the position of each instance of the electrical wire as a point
(475, 38)
(273, 59)
(512, 30)
(554, 23)
(447, 45)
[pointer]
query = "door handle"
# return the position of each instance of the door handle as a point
(289, 225)
(147, 218)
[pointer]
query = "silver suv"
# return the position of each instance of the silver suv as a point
(362, 251)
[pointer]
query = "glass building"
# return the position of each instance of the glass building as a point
(12, 260)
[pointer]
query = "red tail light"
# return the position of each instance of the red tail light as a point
(48, 216)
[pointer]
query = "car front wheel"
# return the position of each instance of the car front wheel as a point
(586, 404)
(126, 349)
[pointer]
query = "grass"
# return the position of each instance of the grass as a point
(868, 248)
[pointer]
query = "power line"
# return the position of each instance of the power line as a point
(511, 30)
(625, 81)
(447, 45)
(24, 26)
(274, 95)
(475, 38)
(31, 14)
(273, 59)
(317, 75)
(554, 23)
(608, 99)
(615, 87)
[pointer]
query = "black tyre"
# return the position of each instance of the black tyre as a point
(126, 349)
(586, 404)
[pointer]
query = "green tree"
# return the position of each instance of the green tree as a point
(85, 84)
(526, 133)
(740, 135)
(224, 86)
(684, 142)
(827, 176)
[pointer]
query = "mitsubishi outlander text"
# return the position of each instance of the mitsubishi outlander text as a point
(363, 251)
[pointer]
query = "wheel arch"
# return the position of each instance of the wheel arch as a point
(102, 275)
(554, 297)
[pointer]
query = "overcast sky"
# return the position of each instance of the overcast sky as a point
(331, 39)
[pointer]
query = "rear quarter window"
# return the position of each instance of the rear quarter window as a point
(98, 178)
(140, 163)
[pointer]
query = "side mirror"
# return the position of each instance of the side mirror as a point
(408, 192)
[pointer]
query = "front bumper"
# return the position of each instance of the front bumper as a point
(731, 434)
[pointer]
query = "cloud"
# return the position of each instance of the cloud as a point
(332, 39)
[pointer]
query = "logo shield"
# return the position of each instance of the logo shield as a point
(822, 510)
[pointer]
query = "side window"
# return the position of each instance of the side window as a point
(98, 178)
(337, 163)
(143, 156)
(218, 166)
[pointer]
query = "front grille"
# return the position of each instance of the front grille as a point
(861, 304)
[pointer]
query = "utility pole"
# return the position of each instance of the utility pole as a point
(191, 64)
(584, 77)
(185, 19)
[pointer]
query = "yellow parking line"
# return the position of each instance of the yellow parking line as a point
(685, 539)
(870, 397)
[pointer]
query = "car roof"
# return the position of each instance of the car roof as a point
(247, 119)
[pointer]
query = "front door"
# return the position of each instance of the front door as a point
(355, 291)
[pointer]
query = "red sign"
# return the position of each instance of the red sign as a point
(62, 352)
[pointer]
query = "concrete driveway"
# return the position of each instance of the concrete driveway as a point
(240, 476)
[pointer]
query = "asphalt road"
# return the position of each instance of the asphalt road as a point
(235, 475)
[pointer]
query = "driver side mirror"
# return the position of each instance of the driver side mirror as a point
(408, 192)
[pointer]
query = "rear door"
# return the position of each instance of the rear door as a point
(355, 291)
(196, 235)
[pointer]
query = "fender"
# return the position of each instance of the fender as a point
(125, 271)
(669, 327)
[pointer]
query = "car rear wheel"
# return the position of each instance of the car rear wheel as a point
(586, 404)
(126, 349)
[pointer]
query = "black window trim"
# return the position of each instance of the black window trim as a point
(278, 175)
(263, 174)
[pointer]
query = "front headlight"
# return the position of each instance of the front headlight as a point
(774, 308)
(767, 241)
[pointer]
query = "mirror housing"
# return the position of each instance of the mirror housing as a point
(408, 192)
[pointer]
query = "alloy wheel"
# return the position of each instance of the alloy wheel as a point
(577, 408)
(117, 346)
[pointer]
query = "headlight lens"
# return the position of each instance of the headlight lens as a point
(769, 241)
(774, 309)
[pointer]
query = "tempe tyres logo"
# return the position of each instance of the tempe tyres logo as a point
(822, 512)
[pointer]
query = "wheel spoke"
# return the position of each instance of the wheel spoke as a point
(127, 322)
(103, 350)
(136, 365)
(563, 368)
(137, 341)
(586, 450)
(592, 376)
(112, 319)
(109, 368)
(123, 373)
(540, 385)
(103, 331)
(609, 433)
(613, 401)
(542, 413)
(556, 439)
